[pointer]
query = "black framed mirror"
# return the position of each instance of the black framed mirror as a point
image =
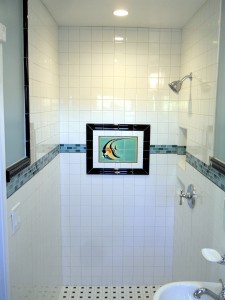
(14, 15)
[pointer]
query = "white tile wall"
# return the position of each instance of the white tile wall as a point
(118, 230)
(102, 80)
(35, 249)
(200, 56)
(44, 80)
(202, 227)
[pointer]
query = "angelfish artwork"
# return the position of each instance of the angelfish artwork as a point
(109, 150)
(121, 149)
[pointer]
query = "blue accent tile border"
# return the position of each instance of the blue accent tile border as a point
(212, 174)
(25, 175)
(167, 149)
(72, 148)
(154, 149)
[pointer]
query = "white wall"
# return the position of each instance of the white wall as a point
(118, 230)
(35, 249)
(44, 80)
(203, 226)
(118, 82)
(3, 231)
(200, 56)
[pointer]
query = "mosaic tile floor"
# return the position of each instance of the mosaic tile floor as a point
(108, 292)
(35, 293)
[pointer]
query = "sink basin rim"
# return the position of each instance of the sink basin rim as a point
(167, 288)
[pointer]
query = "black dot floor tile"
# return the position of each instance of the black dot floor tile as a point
(106, 293)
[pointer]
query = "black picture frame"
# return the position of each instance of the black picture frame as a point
(25, 162)
(143, 170)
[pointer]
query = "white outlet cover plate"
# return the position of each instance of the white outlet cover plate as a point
(16, 218)
(2, 33)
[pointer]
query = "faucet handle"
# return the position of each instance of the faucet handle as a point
(190, 196)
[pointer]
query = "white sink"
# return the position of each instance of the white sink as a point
(184, 290)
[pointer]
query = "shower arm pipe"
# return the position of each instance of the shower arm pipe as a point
(186, 77)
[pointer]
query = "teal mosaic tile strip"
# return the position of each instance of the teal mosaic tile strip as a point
(24, 176)
(167, 149)
(163, 149)
(154, 149)
(72, 148)
(212, 174)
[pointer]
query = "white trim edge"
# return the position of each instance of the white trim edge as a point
(4, 281)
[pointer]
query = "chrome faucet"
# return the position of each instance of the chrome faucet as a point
(203, 291)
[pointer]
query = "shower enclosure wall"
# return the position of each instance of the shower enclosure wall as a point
(79, 229)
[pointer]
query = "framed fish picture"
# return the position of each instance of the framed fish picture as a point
(119, 149)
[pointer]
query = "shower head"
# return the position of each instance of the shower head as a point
(176, 85)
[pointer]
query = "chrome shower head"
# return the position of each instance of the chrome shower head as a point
(176, 85)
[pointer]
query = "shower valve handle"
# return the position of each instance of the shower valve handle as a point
(190, 196)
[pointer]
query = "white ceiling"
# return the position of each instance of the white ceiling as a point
(142, 13)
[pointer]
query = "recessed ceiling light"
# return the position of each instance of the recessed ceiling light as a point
(120, 13)
(119, 38)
